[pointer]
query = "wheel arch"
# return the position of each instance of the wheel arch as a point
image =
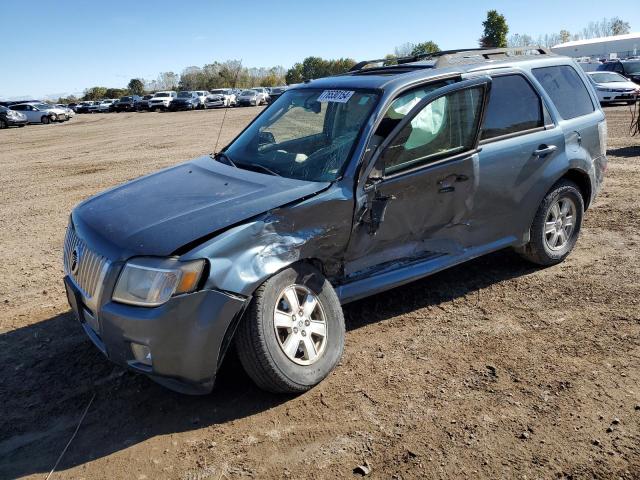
(582, 180)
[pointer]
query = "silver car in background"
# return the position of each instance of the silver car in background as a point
(41, 112)
(107, 105)
(220, 97)
(69, 111)
(613, 87)
(252, 97)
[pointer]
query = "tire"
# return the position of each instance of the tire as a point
(45, 120)
(3, 124)
(631, 102)
(556, 244)
(261, 345)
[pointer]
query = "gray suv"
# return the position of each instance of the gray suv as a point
(342, 188)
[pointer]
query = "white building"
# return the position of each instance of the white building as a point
(619, 46)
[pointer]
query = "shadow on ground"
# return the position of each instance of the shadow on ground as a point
(51, 371)
(625, 152)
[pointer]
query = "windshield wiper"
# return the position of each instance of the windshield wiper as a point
(220, 155)
(257, 166)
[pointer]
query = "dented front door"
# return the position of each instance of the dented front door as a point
(417, 200)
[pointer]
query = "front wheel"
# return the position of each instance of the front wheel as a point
(3, 124)
(556, 226)
(292, 336)
(45, 120)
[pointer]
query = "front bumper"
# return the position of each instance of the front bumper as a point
(161, 105)
(181, 106)
(15, 122)
(187, 336)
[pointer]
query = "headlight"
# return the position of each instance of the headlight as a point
(602, 89)
(150, 282)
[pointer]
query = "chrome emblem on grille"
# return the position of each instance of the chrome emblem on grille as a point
(75, 260)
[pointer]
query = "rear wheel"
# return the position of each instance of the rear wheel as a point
(3, 124)
(292, 336)
(556, 226)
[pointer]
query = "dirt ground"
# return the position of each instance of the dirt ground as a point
(493, 369)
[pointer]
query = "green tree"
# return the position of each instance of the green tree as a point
(565, 36)
(115, 92)
(136, 86)
(316, 67)
(495, 31)
(425, 47)
(95, 93)
(619, 26)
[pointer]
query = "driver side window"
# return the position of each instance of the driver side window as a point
(446, 126)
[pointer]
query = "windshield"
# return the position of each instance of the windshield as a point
(248, 93)
(184, 94)
(605, 77)
(218, 92)
(3, 109)
(162, 95)
(42, 106)
(125, 99)
(632, 67)
(306, 134)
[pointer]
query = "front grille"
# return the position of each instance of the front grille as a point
(85, 267)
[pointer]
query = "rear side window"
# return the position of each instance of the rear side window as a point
(513, 107)
(566, 89)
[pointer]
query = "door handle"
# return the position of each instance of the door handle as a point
(447, 184)
(544, 150)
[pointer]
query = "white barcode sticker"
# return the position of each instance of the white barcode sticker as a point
(339, 96)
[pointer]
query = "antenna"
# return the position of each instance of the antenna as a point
(235, 81)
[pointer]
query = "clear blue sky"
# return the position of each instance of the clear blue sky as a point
(63, 46)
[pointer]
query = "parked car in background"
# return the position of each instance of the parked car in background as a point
(107, 105)
(143, 104)
(11, 118)
(73, 106)
(185, 100)
(70, 113)
(94, 107)
(220, 97)
(202, 96)
(275, 92)
(251, 97)
(627, 68)
(127, 103)
(612, 87)
(83, 107)
(162, 100)
(41, 112)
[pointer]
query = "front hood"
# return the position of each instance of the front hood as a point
(159, 213)
(618, 85)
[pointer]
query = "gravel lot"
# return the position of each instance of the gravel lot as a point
(492, 369)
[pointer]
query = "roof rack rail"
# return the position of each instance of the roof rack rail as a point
(483, 54)
(452, 57)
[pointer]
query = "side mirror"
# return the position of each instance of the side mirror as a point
(266, 138)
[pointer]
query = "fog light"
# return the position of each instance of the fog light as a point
(142, 353)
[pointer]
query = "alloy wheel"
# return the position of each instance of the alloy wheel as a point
(560, 223)
(300, 325)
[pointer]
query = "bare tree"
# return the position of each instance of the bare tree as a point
(404, 50)
(516, 40)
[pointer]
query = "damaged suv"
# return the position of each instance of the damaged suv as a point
(342, 188)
